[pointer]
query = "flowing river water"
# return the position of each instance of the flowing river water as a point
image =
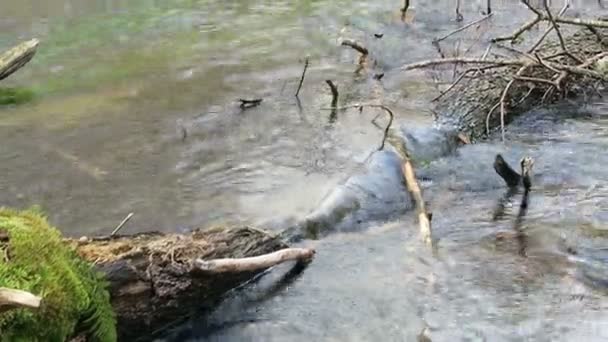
(135, 110)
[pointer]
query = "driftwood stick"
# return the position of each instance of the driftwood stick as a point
(302, 78)
(17, 57)
(461, 60)
(121, 224)
(13, 299)
(437, 40)
(245, 103)
(253, 263)
(424, 218)
(334, 100)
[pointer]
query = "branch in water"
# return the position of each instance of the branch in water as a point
(302, 78)
(245, 104)
(506, 172)
(334, 100)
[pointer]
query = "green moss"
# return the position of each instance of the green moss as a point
(15, 96)
(35, 259)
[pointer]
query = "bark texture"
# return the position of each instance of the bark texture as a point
(154, 279)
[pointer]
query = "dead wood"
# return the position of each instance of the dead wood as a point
(550, 71)
(14, 299)
(232, 265)
(156, 279)
(17, 57)
(424, 217)
(246, 103)
(334, 100)
(506, 172)
(302, 78)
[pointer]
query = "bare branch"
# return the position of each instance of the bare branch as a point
(461, 60)
(463, 28)
(559, 34)
(302, 78)
(13, 299)
(253, 263)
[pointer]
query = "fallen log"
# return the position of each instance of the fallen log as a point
(121, 287)
(17, 57)
(158, 279)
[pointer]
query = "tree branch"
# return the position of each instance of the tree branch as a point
(253, 263)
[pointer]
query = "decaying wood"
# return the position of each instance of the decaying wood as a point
(548, 72)
(256, 263)
(156, 279)
(13, 299)
(17, 57)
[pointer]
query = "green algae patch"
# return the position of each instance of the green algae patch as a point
(15, 96)
(34, 258)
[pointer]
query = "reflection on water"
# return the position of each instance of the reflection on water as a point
(135, 112)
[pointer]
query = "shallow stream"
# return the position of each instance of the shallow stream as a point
(135, 110)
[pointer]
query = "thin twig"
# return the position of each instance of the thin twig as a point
(463, 28)
(334, 100)
(525, 27)
(302, 78)
(121, 224)
(559, 34)
(460, 60)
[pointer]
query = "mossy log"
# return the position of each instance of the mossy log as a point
(120, 287)
(156, 279)
(17, 57)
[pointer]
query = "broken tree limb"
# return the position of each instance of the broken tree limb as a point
(14, 299)
(256, 263)
(334, 100)
(17, 57)
(424, 217)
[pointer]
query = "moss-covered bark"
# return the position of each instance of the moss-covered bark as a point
(34, 258)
